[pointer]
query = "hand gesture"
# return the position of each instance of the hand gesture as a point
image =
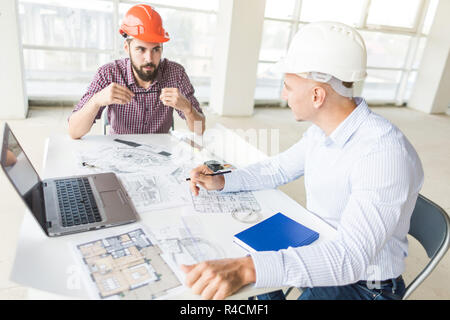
(172, 97)
(198, 176)
(113, 94)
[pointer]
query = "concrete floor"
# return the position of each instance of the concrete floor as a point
(430, 135)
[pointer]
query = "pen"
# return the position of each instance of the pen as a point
(144, 92)
(213, 174)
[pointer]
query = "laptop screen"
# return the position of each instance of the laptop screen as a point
(22, 175)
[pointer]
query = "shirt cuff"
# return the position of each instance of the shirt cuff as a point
(232, 182)
(269, 268)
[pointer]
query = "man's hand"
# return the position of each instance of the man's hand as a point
(198, 176)
(172, 97)
(217, 279)
(113, 94)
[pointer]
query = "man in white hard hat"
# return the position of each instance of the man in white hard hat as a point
(362, 176)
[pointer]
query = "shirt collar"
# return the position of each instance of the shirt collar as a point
(347, 128)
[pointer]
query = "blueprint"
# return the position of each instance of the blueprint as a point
(153, 181)
(140, 262)
(127, 266)
(122, 159)
(224, 202)
(151, 192)
(185, 243)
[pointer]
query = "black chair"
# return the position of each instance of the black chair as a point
(430, 226)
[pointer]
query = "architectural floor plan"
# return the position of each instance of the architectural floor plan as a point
(149, 192)
(217, 202)
(127, 266)
(185, 243)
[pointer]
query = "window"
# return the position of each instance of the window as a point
(410, 83)
(381, 85)
(66, 41)
(345, 11)
(274, 10)
(268, 84)
(395, 33)
(195, 4)
(385, 50)
(274, 41)
(399, 13)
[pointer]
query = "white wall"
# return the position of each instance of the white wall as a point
(236, 55)
(431, 91)
(14, 102)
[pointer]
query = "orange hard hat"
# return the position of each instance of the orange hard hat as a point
(144, 23)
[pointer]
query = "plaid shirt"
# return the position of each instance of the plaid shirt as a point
(145, 113)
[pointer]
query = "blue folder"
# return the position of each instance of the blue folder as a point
(275, 233)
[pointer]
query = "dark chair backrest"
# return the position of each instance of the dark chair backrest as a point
(429, 225)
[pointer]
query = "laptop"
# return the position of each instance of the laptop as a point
(66, 205)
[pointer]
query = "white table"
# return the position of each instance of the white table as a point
(47, 263)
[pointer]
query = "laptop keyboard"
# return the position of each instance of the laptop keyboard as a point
(76, 202)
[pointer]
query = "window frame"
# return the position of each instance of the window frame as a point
(117, 44)
(415, 33)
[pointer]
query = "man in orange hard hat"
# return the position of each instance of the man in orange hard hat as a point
(142, 90)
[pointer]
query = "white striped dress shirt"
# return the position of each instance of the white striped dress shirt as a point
(363, 179)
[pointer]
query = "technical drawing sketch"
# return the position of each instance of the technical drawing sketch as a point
(120, 160)
(149, 192)
(183, 244)
(127, 266)
(209, 201)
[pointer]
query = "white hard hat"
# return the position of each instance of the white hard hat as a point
(331, 48)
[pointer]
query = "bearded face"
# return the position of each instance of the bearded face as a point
(146, 72)
(145, 58)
